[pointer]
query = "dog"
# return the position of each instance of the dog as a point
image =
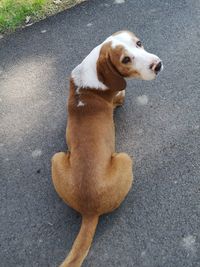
(91, 177)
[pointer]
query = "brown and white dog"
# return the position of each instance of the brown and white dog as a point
(91, 177)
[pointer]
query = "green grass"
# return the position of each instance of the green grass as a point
(13, 13)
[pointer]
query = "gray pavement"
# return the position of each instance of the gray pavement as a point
(158, 225)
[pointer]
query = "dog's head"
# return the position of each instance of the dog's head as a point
(126, 54)
(120, 56)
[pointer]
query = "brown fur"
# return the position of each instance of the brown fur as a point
(91, 177)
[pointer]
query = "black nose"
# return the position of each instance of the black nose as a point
(158, 67)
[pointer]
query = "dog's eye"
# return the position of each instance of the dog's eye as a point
(126, 60)
(139, 43)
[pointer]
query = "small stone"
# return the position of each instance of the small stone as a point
(36, 153)
(119, 1)
(196, 127)
(1, 70)
(28, 18)
(142, 100)
(188, 243)
(89, 24)
(27, 25)
(57, 2)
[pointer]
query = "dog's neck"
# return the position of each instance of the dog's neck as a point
(77, 92)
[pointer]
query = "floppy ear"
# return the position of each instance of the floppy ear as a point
(107, 73)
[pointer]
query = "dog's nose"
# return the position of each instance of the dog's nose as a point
(156, 67)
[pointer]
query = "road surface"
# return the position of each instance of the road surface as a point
(158, 225)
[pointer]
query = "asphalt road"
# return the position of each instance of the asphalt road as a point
(158, 225)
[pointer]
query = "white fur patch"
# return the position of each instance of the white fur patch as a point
(121, 93)
(85, 74)
(80, 104)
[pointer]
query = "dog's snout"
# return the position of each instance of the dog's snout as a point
(156, 67)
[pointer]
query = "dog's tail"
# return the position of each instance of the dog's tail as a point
(82, 242)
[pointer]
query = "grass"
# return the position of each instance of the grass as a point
(14, 13)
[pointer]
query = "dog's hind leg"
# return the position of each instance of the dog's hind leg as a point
(123, 173)
(61, 175)
(120, 179)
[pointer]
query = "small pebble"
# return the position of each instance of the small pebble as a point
(89, 24)
(57, 2)
(119, 1)
(142, 100)
(36, 153)
(28, 18)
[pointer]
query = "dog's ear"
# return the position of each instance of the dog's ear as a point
(107, 73)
